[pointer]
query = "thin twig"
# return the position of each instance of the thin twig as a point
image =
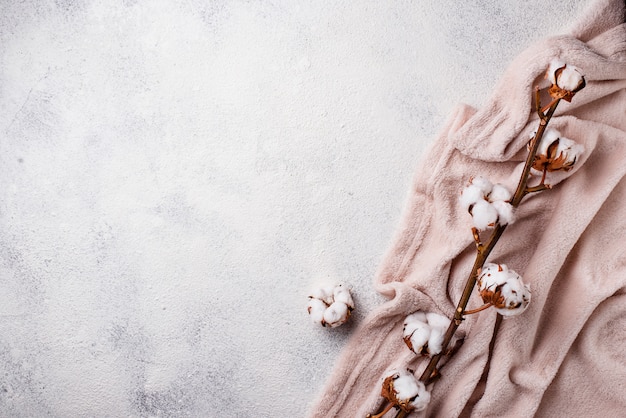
(482, 308)
(538, 188)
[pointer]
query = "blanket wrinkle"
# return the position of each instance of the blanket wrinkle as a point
(567, 243)
(499, 126)
(608, 172)
(600, 16)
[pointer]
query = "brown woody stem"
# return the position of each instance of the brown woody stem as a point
(381, 413)
(401, 414)
(485, 249)
(538, 188)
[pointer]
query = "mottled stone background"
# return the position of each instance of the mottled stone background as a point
(176, 175)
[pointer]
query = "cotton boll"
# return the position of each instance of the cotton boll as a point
(342, 294)
(565, 76)
(435, 341)
(499, 192)
(504, 289)
(569, 151)
(438, 326)
(336, 314)
(549, 136)
(506, 213)
(556, 152)
(403, 389)
(418, 338)
(423, 332)
(484, 215)
(416, 332)
(470, 195)
(408, 387)
(405, 385)
(555, 64)
(484, 184)
(570, 78)
(324, 293)
(316, 309)
(417, 316)
(330, 305)
(566, 81)
(516, 297)
(492, 275)
(436, 320)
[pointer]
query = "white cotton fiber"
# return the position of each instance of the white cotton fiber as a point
(484, 215)
(504, 289)
(330, 305)
(484, 184)
(570, 150)
(407, 387)
(555, 64)
(470, 195)
(570, 78)
(499, 192)
(316, 308)
(506, 213)
(336, 314)
(423, 332)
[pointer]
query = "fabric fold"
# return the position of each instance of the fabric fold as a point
(566, 242)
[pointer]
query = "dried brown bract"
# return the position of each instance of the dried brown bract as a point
(556, 153)
(403, 391)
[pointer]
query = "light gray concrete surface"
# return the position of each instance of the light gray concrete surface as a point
(176, 176)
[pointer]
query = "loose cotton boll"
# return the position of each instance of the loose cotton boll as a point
(330, 305)
(484, 215)
(336, 314)
(342, 294)
(324, 293)
(316, 308)
(402, 389)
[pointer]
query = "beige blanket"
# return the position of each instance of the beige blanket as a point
(566, 355)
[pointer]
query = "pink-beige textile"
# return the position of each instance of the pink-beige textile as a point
(565, 356)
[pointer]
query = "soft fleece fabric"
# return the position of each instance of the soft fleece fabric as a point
(565, 355)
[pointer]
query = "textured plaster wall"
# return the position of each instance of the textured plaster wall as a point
(174, 177)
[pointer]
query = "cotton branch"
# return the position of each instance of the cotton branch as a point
(492, 207)
(485, 249)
